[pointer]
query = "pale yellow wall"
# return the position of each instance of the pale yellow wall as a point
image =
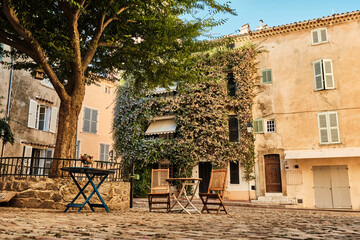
(96, 98)
(291, 99)
(293, 102)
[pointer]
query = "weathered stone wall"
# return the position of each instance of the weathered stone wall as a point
(34, 192)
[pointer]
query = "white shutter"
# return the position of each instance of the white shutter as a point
(86, 121)
(334, 127)
(328, 74)
(314, 36)
(102, 150)
(53, 119)
(32, 114)
(94, 118)
(259, 126)
(27, 151)
(323, 35)
(323, 128)
(318, 75)
(107, 152)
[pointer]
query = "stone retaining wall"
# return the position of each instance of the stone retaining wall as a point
(35, 192)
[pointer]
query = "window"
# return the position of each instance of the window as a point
(233, 129)
(231, 84)
(270, 126)
(259, 126)
(90, 120)
(42, 117)
(323, 74)
(40, 161)
(1, 51)
(328, 128)
(107, 89)
(104, 152)
(234, 173)
(319, 36)
(266, 76)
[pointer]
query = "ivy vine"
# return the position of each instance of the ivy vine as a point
(201, 109)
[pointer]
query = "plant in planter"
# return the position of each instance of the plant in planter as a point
(86, 159)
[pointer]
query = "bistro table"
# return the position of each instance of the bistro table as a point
(90, 173)
(185, 182)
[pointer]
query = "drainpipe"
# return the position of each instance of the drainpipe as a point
(8, 99)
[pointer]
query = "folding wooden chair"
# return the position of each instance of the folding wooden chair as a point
(215, 192)
(160, 190)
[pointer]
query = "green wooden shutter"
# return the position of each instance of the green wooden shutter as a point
(318, 75)
(328, 74)
(266, 76)
(323, 128)
(259, 126)
(333, 127)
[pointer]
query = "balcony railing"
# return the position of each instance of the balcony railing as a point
(21, 167)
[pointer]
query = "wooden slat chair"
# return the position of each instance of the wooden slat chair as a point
(215, 192)
(160, 191)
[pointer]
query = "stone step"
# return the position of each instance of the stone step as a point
(274, 200)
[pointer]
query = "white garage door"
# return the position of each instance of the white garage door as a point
(331, 186)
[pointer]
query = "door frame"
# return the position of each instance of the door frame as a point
(278, 182)
(260, 166)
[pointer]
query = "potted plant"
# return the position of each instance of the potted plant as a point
(86, 159)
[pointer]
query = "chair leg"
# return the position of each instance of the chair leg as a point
(204, 204)
(222, 205)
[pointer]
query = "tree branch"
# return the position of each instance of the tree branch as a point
(94, 43)
(37, 52)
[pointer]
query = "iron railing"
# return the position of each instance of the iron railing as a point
(21, 167)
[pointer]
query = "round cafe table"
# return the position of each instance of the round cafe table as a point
(185, 183)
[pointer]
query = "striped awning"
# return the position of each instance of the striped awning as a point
(161, 126)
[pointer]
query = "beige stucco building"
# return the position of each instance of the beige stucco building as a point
(307, 112)
(94, 132)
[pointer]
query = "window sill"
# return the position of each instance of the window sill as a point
(320, 43)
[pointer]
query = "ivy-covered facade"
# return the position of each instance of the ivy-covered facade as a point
(210, 117)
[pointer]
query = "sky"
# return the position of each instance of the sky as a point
(279, 12)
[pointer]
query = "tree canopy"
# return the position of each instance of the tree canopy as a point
(68, 39)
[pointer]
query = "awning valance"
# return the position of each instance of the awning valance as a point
(161, 127)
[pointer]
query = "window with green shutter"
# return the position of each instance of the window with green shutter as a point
(259, 126)
(266, 76)
(323, 74)
(328, 128)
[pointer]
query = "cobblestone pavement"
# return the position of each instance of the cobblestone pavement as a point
(138, 223)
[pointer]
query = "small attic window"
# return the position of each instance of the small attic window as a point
(319, 36)
(39, 74)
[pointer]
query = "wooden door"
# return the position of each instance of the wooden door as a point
(204, 173)
(272, 173)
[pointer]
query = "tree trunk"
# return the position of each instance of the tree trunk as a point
(66, 132)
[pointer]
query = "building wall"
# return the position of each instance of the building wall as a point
(291, 100)
(24, 88)
(96, 98)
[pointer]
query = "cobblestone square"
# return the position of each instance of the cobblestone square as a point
(138, 223)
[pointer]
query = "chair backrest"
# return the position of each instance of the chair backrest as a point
(158, 180)
(218, 181)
